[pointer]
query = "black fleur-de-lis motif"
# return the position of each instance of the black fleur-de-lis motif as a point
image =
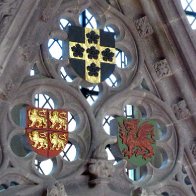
(77, 50)
(107, 55)
(93, 70)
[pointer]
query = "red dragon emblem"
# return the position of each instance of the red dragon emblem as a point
(136, 140)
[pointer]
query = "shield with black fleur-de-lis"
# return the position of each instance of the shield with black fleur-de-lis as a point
(47, 130)
(91, 53)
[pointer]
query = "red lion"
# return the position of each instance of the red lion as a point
(139, 140)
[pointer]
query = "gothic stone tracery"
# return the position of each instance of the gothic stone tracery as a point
(18, 88)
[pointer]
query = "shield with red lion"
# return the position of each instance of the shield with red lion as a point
(47, 130)
(137, 140)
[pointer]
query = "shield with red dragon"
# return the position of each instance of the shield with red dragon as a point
(136, 140)
(47, 130)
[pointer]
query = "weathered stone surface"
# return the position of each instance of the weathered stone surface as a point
(162, 68)
(146, 31)
(143, 27)
(181, 110)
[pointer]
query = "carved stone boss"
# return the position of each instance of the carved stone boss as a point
(143, 27)
(162, 68)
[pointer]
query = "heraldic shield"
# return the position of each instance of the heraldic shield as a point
(91, 53)
(136, 140)
(47, 130)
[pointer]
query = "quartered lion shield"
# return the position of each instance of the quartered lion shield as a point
(91, 53)
(47, 130)
(136, 140)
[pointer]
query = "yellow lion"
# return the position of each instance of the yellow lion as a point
(58, 119)
(37, 118)
(58, 141)
(39, 139)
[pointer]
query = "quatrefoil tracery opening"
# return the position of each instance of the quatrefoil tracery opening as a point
(56, 48)
(19, 143)
(160, 159)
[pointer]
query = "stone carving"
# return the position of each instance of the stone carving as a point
(180, 109)
(143, 27)
(115, 4)
(57, 189)
(25, 52)
(8, 87)
(100, 167)
(182, 178)
(46, 14)
(7, 9)
(137, 192)
(142, 192)
(162, 68)
(146, 193)
(193, 149)
(2, 95)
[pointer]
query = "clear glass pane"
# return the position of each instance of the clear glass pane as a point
(55, 48)
(86, 19)
(91, 94)
(110, 155)
(32, 72)
(121, 59)
(64, 23)
(131, 174)
(69, 153)
(43, 101)
(128, 111)
(106, 123)
(193, 25)
(109, 29)
(189, 7)
(137, 173)
(64, 75)
(112, 81)
(44, 167)
(71, 122)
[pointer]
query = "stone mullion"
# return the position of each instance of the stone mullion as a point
(153, 55)
(169, 84)
(171, 53)
(166, 83)
(188, 160)
(178, 86)
(180, 78)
